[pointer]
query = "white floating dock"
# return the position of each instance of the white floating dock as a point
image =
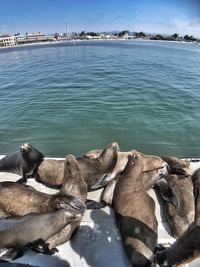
(97, 242)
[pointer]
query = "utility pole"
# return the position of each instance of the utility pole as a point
(67, 30)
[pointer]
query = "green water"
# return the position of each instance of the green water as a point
(74, 97)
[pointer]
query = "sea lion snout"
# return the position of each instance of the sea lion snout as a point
(115, 145)
(25, 148)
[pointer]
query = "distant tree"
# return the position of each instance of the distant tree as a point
(82, 33)
(139, 34)
(92, 33)
(142, 34)
(159, 37)
(174, 36)
(122, 33)
(189, 38)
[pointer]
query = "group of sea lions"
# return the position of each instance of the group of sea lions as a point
(126, 178)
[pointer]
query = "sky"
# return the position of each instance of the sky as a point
(149, 16)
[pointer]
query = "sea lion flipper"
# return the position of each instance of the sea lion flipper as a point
(11, 254)
(92, 204)
(75, 202)
(44, 248)
(21, 181)
(168, 193)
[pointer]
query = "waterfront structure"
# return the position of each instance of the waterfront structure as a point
(7, 40)
(38, 37)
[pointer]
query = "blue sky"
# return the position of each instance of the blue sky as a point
(48, 16)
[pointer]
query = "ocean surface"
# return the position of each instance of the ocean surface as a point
(77, 96)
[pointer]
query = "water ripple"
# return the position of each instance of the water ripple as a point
(70, 99)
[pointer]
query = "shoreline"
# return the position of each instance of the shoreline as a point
(93, 40)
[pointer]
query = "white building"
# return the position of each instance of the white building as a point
(7, 40)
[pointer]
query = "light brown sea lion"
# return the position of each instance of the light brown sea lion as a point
(196, 183)
(17, 200)
(20, 233)
(23, 162)
(178, 166)
(150, 162)
(153, 168)
(149, 180)
(96, 172)
(183, 250)
(73, 183)
(177, 193)
(135, 214)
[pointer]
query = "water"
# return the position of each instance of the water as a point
(66, 98)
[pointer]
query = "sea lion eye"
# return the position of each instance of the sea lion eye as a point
(178, 170)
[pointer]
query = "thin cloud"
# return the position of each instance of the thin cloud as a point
(189, 26)
(117, 18)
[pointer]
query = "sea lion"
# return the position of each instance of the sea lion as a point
(178, 166)
(96, 172)
(149, 180)
(135, 214)
(177, 193)
(153, 168)
(20, 233)
(150, 162)
(23, 162)
(196, 183)
(73, 183)
(17, 200)
(183, 250)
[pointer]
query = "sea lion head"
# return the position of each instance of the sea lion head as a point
(109, 154)
(73, 181)
(31, 154)
(182, 167)
(97, 172)
(25, 148)
(178, 166)
(134, 163)
(94, 154)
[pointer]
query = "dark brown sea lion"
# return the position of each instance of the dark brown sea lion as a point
(196, 183)
(96, 172)
(73, 183)
(23, 162)
(178, 166)
(17, 200)
(135, 214)
(183, 250)
(20, 233)
(177, 193)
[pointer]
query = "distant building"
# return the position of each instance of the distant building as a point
(7, 40)
(38, 37)
(17, 39)
(20, 39)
